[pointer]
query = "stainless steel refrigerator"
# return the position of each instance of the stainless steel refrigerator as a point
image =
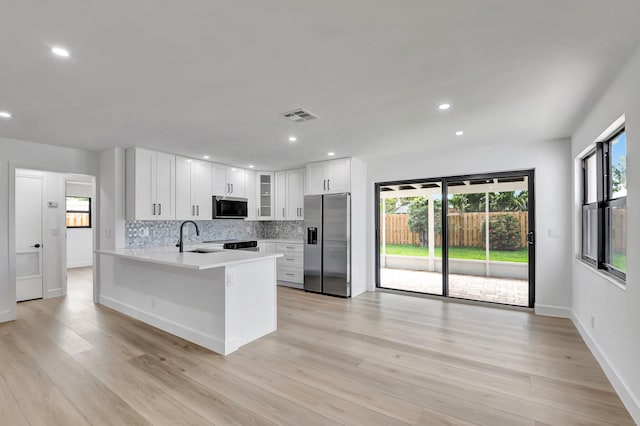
(327, 248)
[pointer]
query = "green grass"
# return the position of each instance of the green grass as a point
(618, 260)
(469, 253)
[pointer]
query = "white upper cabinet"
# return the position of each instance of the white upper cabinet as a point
(264, 195)
(281, 196)
(228, 181)
(329, 177)
(193, 189)
(150, 185)
(289, 191)
(295, 194)
(250, 190)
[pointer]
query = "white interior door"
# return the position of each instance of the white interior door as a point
(29, 211)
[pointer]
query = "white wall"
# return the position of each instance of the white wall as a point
(29, 155)
(80, 240)
(615, 338)
(550, 160)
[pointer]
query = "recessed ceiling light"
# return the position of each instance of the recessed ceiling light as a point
(206, 157)
(251, 166)
(444, 107)
(60, 51)
(5, 114)
(331, 154)
(189, 161)
(233, 169)
(292, 139)
(459, 133)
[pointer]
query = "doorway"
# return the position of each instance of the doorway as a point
(79, 223)
(54, 218)
(466, 237)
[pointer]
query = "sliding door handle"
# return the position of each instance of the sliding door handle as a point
(36, 245)
(530, 238)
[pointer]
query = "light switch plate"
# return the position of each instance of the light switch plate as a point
(52, 204)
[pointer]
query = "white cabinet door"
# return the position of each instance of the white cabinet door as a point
(264, 189)
(316, 182)
(235, 179)
(201, 189)
(219, 183)
(338, 175)
(165, 174)
(295, 194)
(281, 196)
(150, 185)
(184, 206)
(141, 197)
(252, 197)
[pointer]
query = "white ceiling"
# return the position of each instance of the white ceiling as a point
(211, 77)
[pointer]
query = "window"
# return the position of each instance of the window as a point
(604, 205)
(78, 212)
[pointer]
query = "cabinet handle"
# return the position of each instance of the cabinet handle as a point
(290, 248)
(159, 209)
(290, 259)
(324, 184)
(154, 209)
(232, 188)
(283, 215)
(193, 210)
(288, 274)
(198, 209)
(328, 184)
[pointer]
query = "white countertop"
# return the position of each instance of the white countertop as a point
(171, 257)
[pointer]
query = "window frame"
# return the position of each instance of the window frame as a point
(604, 201)
(79, 211)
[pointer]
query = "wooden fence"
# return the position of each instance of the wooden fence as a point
(465, 230)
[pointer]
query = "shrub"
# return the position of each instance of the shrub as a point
(504, 232)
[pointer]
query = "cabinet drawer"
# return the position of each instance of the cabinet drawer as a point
(291, 274)
(291, 259)
(289, 247)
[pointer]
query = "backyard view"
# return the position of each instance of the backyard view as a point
(487, 227)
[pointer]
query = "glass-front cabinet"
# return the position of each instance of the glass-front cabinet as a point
(264, 183)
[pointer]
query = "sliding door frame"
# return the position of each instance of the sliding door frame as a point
(529, 173)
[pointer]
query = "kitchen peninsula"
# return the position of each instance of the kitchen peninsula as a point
(219, 299)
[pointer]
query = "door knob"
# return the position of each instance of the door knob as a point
(36, 246)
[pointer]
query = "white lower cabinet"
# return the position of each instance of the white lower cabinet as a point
(291, 265)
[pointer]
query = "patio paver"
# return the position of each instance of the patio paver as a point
(487, 289)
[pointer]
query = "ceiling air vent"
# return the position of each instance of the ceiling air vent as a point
(299, 115)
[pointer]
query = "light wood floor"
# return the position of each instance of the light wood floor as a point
(378, 359)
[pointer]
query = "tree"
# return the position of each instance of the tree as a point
(418, 220)
(619, 175)
(504, 232)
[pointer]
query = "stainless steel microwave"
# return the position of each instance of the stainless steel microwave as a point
(229, 208)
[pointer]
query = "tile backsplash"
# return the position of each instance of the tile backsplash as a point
(282, 229)
(154, 233)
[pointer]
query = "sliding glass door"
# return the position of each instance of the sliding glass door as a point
(411, 237)
(478, 245)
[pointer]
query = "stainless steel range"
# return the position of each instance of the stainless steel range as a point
(248, 245)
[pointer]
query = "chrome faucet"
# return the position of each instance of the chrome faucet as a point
(180, 243)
